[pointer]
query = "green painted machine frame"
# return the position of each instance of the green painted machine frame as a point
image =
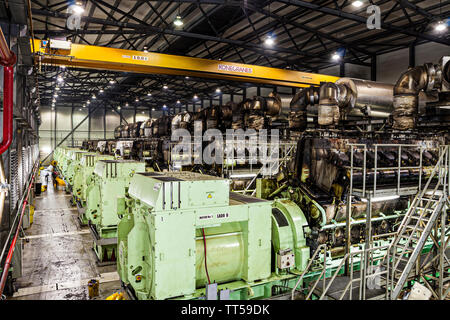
(110, 181)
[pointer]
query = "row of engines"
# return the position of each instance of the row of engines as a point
(330, 105)
(420, 97)
(256, 113)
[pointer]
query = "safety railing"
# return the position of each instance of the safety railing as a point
(417, 225)
(320, 248)
(370, 273)
(397, 149)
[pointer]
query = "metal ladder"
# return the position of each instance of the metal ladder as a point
(416, 226)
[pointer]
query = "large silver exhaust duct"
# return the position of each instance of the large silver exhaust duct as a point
(406, 97)
(367, 98)
(354, 97)
(298, 105)
(406, 91)
(328, 113)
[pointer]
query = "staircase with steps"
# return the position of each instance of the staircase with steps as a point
(423, 214)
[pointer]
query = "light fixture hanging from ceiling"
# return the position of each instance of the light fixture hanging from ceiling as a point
(270, 39)
(178, 22)
(442, 24)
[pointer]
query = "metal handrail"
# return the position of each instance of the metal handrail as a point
(413, 209)
(399, 167)
(350, 283)
(308, 266)
(260, 170)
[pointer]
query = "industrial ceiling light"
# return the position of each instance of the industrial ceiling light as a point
(153, 109)
(55, 95)
(178, 102)
(112, 81)
(218, 90)
(57, 89)
(440, 26)
(357, 3)
(63, 67)
(60, 79)
(54, 100)
(187, 77)
(164, 106)
(336, 56)
(84, 106)
(270, 41)
(149, 94)
(94, 97)
(178, 22)
(165, 87)
(143, 112)
(101, 91)
(195, 96)
(145, 50)
(118, 108)
(126, 104)
(88, 102)
(77, 8)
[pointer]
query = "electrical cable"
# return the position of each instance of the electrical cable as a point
(204, 247)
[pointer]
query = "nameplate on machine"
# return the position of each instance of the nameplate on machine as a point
(211, 216)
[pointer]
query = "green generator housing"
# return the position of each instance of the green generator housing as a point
(172, 221)
(84, 173)
(65, 158)
(74, 165)
(110, 181)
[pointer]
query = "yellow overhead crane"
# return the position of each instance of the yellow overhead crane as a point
(57, 52)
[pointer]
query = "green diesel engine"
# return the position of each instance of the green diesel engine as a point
(182, 231)
(109, 181)
(83, 178)
(65, 158)
(75, 166)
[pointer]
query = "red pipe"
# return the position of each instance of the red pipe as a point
(13, 243)
(7, 60)
(8, 88)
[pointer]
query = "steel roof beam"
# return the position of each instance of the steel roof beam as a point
(363, 20)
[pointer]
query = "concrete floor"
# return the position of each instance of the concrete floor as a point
(58, 260)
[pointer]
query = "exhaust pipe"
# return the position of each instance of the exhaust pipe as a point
(406, 94)
(302, 99)
(328, 112)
